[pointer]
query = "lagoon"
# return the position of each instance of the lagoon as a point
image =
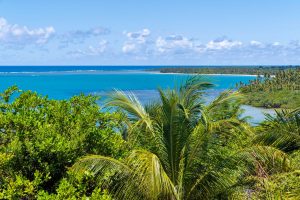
(63, 84)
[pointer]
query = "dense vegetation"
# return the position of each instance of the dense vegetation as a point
(227, 70)
(279, 91)
(41, 138)
(175, 148)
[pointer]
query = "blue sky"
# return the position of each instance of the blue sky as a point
(156, 32)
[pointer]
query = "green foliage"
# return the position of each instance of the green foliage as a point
(280, 186)
(175, 148)
(280, 91)
(75, 187)
(274, 87)
(281, 131)
(188, 150)
(267, 178)
(274, 99)
(188, 153)
(19, 187)
(227, 70)
(45, 137)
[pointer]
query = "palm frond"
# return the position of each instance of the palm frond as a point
(225, 98)
(141, 175)
(111, 174)
(140, 123)
(263, 161)
(131, 105)
(281, 131)
(148, 166)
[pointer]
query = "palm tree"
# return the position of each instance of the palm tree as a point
(182, 146)
(277, 138)
(281, 131)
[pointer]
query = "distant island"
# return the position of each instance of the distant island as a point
(274, 87)
(251, 70)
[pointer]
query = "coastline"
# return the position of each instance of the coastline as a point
(158, 72)
(100, 72)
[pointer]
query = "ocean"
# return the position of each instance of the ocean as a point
(63, 82)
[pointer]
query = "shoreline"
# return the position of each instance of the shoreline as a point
(176, 73)
(104, 72)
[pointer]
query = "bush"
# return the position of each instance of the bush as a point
(45, 137)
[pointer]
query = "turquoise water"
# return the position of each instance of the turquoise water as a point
(64, 84)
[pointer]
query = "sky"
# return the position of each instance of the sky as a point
(150, 32)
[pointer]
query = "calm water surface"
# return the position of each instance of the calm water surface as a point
(66, 83)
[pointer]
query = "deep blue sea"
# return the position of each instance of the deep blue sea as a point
(62, 82)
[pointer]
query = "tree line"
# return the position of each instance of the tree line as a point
(251, 70)
(281, 80)
(281, 89)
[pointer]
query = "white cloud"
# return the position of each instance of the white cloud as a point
(295, 44)
(221, 44)
(102, 46)
(173, 43)
(143, 45)
(178, 44)
(79, 35)
(91, 50)
(256, 43)
(128, 47)
(21, 35)
(137, 42)
(139, 36)
(221, 50)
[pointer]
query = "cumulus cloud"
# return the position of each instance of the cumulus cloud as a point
(80, 35)
(144, 45)
(91, 50)
(276, 44)
(221, 44)
(256, 43)
(178, 44)
(129, 47)
(175, 43)
(139, 36)
(295, 45)
(137, 42)
(22, 35)
(217, 51)
(102, 46)
(223, 50)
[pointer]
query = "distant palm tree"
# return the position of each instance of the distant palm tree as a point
(178, 145)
